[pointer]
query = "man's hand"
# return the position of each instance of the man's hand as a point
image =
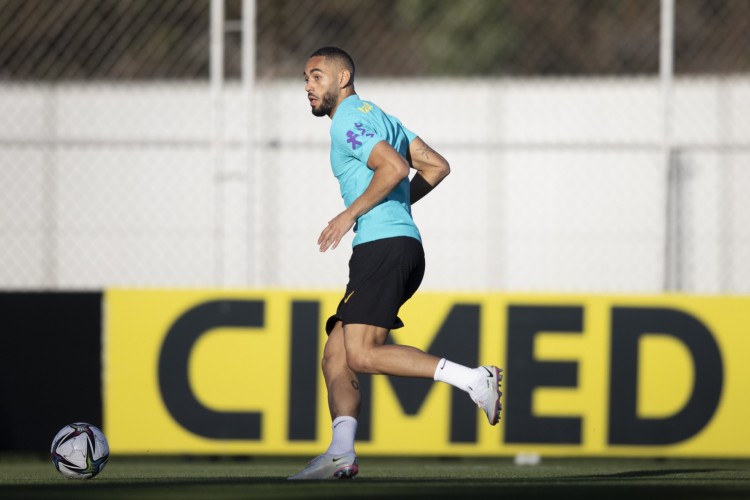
(335, 230)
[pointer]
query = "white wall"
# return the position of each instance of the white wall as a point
(556, 185)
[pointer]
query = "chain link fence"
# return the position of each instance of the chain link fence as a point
(575, 167)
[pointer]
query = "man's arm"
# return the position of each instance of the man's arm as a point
(390, 169)
(430, 166)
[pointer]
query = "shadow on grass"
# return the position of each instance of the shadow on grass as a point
(642, 484)
(643, 474)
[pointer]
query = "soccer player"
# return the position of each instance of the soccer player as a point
(371, 153)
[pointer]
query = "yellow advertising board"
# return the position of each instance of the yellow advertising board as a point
(238, 372)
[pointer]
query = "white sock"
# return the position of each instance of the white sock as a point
(344, 430)
(456, 375)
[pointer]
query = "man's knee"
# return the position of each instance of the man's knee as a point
(334, 357)
(359, 360)
(333, 361)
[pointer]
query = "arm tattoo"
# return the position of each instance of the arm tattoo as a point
(424, 151)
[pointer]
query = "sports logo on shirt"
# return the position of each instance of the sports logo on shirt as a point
(353, 136)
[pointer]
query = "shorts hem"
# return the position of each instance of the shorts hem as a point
(331, 323)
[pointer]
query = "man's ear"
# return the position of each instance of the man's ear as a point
(344, 78)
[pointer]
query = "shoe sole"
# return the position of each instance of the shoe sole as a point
(498, 406)
(346, 472)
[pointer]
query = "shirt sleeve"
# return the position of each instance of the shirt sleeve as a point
(410, 136)
(356, 137)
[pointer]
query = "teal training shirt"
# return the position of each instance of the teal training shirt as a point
(356, 127)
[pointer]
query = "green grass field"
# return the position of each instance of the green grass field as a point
(195, 478)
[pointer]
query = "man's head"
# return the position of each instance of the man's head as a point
(329, 79)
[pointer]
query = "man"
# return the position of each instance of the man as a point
(371, 153)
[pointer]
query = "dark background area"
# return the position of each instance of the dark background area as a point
(50, 365)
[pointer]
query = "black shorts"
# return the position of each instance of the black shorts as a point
(383, 274)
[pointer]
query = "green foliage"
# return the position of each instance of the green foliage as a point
(169, 39)
(461, 36)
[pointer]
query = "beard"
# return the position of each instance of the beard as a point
(327, 103)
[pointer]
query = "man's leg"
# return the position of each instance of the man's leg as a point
(359, 348)
(343, 388)
(366, 352)
(344, 397)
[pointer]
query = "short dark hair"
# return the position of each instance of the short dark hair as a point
(339, 55)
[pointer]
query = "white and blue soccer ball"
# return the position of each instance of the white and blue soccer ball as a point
(80, 451)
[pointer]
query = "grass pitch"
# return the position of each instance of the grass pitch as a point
(265, 478)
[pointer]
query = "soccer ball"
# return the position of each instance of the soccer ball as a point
(80, 451)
